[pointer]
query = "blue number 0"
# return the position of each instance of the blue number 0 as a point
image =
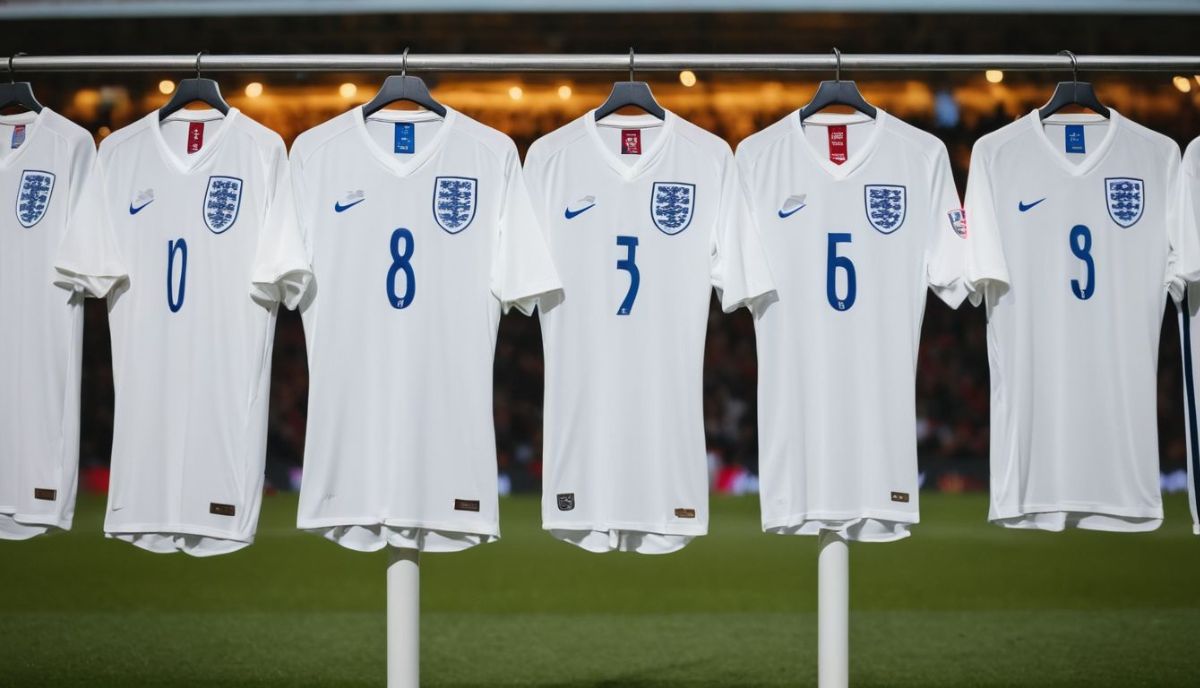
(1081, 246)
(629, 264)
(401, 263)
(177, 247)
(833, 263)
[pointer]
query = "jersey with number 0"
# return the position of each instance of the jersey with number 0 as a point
(44, 164)
(167, 231)
(860, 218)
(1189, 329)
(644, 217)
(1074, 244)
(419, 233)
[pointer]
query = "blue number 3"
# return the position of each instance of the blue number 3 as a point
(401, 263)
(1081, 246)
(629, 264)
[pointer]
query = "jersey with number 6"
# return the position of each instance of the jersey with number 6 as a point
(167, 231)
(419, 233)
(860, 219)
(644, 217)
(44, 164)
(1075, 242)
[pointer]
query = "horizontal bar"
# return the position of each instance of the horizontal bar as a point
(1188, 64)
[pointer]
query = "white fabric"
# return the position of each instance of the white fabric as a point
(1189, 328)
(189, 435)
(1073, 355)
(42, 326)
(625, 460)
(400, 448)
(836, 391)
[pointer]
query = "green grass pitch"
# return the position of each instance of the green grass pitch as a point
(961, 603)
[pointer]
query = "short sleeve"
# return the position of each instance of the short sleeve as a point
(947, 235)
(1183, 221)
(282, 271)
(985, 272)
(523, 274)
(738, 267)
(89, 260)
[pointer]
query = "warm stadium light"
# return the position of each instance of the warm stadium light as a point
(994, 76)
(1197, 78)
(516, 92)
(688, 78)
(1182, 83)
(347, 90)
(166, 87)
(564, 92)
(254, 89)
(103, 131)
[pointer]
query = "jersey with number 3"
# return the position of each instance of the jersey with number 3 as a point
(861, 219)
(644, 217)
(419, 233)
(167, 230)
(1075, 242)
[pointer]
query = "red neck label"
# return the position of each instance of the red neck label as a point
(631, 142)
(195, 137)
(837, 143)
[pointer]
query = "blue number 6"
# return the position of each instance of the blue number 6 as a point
(833, 263)
(401, 263)
(629, 265)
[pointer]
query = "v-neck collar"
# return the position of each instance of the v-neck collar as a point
(33, 122)
(424, 152)
(1088, 163)
(627, 171)
(191, 161)
(860, 156)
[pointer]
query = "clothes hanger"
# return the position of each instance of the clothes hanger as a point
(191, 90)
(837, 92)
(1073, 92)
(403, 87)
(17, 92)
(626, 93)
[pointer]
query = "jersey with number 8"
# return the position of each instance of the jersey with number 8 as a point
(1075, 243)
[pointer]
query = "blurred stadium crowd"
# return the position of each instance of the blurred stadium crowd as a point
(952, 371)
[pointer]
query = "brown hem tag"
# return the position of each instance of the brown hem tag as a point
(45, 494)
(685, 513)
(900, 497)
(222, 509)
(466, 505)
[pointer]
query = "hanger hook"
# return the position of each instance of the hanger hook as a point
(1074, 64)
(837, 74)
(12, 74)
(404, 62)
(198, 63)
(631, 63)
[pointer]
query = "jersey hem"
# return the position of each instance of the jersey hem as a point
(176, 529)
(463, 527)
(654, 529)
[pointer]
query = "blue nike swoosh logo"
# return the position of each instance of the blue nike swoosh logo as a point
(135, 211)
(572, 213)
(339, 208)
(1024, 207)
(793, 211)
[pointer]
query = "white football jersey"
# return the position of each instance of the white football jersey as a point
(1189, 329)
(44, 164)
(419, 232)
(644, 217)
(167, 231)
(1074, 243)
(854, 247)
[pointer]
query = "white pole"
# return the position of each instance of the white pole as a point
(833, 611)
(403, 618)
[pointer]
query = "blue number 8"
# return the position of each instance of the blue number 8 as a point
(400, 263)
(1081, 246)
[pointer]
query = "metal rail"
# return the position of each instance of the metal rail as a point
(1187, 64)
